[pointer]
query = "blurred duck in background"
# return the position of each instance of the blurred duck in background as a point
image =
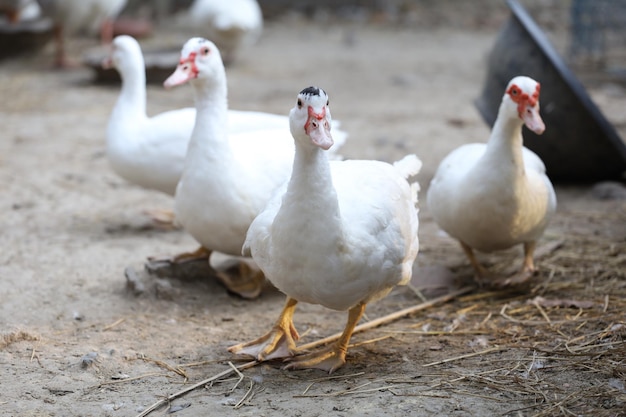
(19, 10)
(72, 16)
(150, 151)
(231, 25)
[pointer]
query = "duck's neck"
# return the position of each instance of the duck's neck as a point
(504, 147)
(311, 187)
(211, 127)
(131, 102)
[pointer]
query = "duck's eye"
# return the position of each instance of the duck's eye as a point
(327, 102)
(514, 91)
(299, 103)
(205, 50)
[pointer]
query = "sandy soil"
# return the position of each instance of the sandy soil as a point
(75, 341)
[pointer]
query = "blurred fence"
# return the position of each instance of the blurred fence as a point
(598, 33)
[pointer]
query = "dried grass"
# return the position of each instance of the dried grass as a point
(567, 331)
(15, 337)
(557, 347)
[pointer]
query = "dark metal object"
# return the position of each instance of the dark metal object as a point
(579, 144)
(24, 37)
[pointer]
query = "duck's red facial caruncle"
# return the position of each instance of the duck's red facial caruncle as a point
(318, 128)
(528, 107)
(186, 69)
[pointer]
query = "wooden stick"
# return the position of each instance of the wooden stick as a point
(391, 317)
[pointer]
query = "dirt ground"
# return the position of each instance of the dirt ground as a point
(75, 341)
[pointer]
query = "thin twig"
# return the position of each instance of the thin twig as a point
(239, 374)
(347, 392)
(417, 292)
(167, 366)
(469, 355)
(367, 342)
(439, 332)
(542, 312)
(201, 363)
(112, 325)
(190, 388)
(314, 381)
(532, 363)
(119, 381)
(245, 396)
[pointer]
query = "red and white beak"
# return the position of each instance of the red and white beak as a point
(185, 71)
(533, 120)
(317, 127)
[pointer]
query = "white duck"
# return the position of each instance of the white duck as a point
(71, 16)
(342, 235)
(496, 195)
(227, 179)
(19, 10)
(231, 24)
(150, 151)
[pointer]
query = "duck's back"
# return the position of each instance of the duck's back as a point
(150, 152)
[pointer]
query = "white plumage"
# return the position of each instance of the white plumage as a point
(231, 25)
(496, 195)
(150, 151)
(340, 234)
(227, 179)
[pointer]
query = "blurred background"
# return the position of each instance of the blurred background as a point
(587, 38)
(596, 29)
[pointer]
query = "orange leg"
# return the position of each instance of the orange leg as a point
(482, 275)
(107, 32)
(529, 253)
(60, 59)
(163, 219)
(527, 271)
(198, 254)
(243, 280)
(278, 343)
(333, 357)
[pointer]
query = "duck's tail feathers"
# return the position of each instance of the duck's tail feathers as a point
(408, 166)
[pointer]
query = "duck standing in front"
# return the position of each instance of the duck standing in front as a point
(341, 234)
(496, 195)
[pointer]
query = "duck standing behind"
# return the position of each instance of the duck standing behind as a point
(227, 179)
(150, 151)
(18, 10)
(496, 195)
(232, 24)
(341, 234)
(71, 16)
